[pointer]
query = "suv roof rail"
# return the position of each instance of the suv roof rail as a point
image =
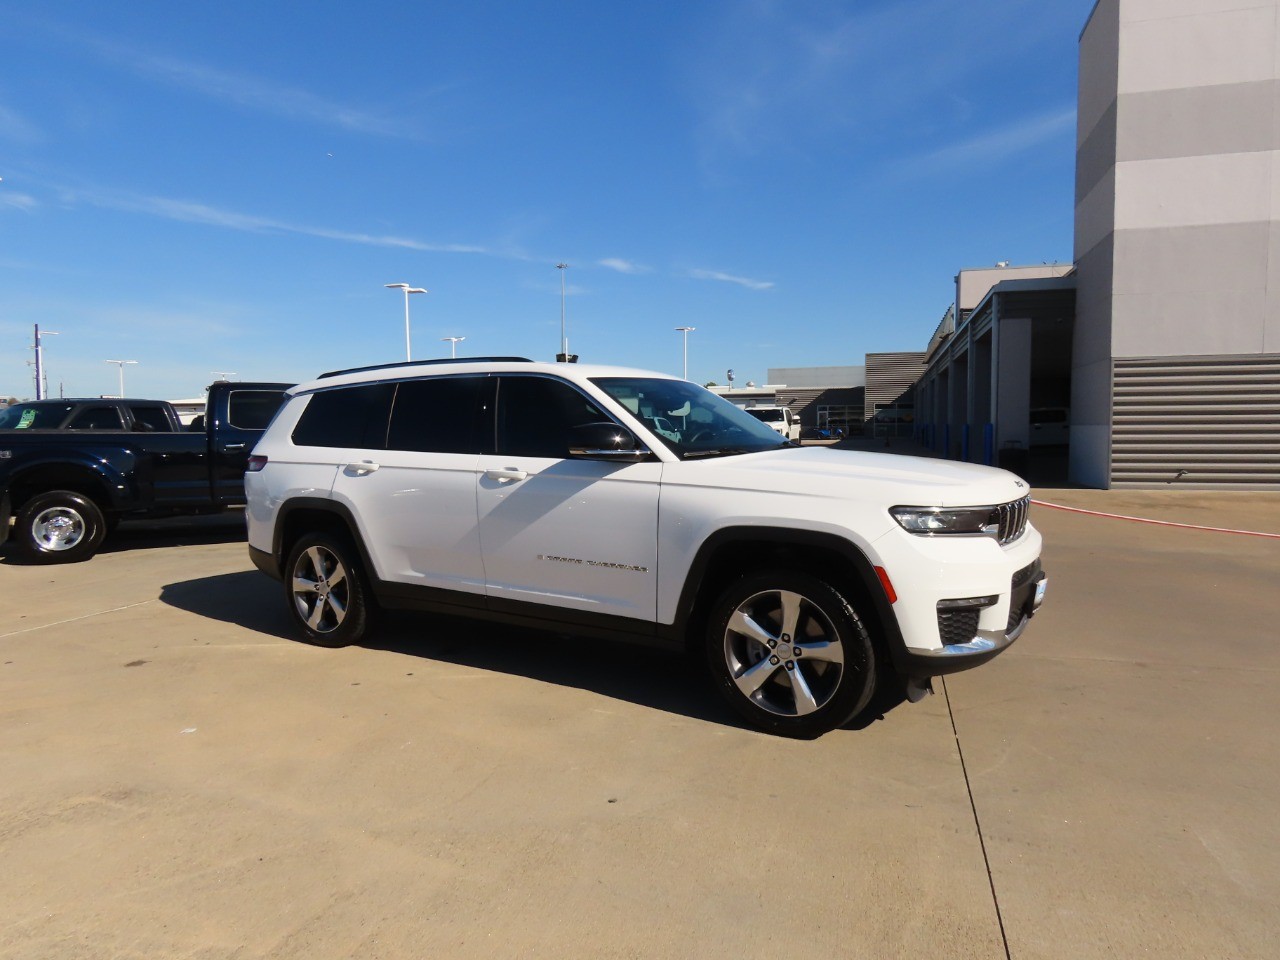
(420, 363)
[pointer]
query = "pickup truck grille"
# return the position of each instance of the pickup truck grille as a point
(1011, 519)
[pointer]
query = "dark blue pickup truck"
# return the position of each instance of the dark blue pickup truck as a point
(66, 478)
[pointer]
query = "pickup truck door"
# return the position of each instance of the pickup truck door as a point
(575, 534)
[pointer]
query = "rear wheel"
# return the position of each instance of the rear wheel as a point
(787, 652)
(326, 589)
(60, 526)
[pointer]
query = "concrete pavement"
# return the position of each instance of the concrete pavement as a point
(184, 780)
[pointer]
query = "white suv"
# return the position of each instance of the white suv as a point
(628, 504)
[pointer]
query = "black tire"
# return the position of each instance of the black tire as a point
(60, 526)
(326, 590)
(788, 653)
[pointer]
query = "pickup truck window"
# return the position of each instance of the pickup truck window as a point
(253, 409)
(150, 418)
(34, 416)
(96, 418)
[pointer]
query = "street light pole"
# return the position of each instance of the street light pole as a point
(42, 376)
(408, 350)
(453, 345)
(120, 365)
(564, 339)
(686, 331)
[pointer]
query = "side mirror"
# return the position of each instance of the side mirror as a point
(605, 441)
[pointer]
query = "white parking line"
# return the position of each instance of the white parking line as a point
(58, 623)
(1160, 523)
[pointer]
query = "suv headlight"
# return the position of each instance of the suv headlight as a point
(931, 521)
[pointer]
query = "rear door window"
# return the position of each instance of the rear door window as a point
(96, 418)
(151, 418)
(440, 415)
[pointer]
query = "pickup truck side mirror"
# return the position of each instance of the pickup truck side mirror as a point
(605, 441)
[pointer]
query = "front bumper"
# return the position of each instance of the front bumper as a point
(1027, 593)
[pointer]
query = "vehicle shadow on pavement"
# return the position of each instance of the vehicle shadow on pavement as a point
(651, 678)
(246, 599)
(657, 679)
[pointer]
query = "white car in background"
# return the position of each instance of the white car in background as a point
(801, 576)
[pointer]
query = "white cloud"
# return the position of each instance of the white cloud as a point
(244, 90)
(21, 201)
(15, 127)
(186, 211)
(730, 278)
(993, 147)
(622, 266)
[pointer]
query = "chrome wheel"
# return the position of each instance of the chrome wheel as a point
(56, 529)
(783, 653)
(321, 589)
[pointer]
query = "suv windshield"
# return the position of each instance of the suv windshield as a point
(691, 420)
(34, 416)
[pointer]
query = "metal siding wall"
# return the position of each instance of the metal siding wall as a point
(889, 376)
(1217, 418)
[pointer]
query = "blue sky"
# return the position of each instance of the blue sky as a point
(227, 187)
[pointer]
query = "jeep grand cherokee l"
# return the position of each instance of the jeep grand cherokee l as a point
(550, 497)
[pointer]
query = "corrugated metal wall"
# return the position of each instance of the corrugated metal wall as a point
(1217, 418)
(889, 375)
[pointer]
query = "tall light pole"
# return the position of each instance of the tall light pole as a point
(686, 331)
(120, 365)
(42, 376)
(564, 339)
(453, 345)
(223, 374)
(408, 350)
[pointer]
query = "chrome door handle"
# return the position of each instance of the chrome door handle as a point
(233, 448)
(363, 467)
(510, 473)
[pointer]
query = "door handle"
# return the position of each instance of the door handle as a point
(233, 447)
(363, 467)
(510, 473)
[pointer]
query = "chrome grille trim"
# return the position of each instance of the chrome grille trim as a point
(1011, 519)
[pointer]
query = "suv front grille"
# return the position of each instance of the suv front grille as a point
(1011, 519)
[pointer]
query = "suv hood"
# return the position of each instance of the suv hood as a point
(844, 474)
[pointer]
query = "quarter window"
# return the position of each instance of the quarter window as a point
(346, 417)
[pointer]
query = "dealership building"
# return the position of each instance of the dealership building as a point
(1155, 357)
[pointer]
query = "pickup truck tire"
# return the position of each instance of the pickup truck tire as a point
(60, 526)
(789, 654)
(328, 596)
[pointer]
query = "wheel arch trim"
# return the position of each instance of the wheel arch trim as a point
(692, 595)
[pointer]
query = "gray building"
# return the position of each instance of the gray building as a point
(1176, 352)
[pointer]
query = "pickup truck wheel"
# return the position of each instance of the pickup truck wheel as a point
(326, 590)
(787, 652)
(60, 526)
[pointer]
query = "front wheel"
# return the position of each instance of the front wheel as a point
(788, 653)
(326, 590)
(60, 526)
